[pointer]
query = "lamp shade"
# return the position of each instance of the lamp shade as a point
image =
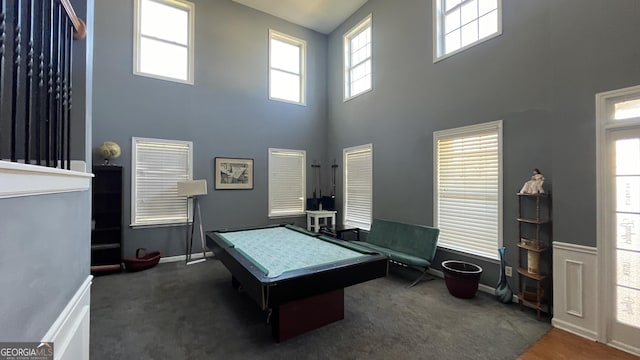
(192, 188)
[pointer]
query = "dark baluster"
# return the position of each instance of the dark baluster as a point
(69, 57)
(3, 36)
(59, 88)
(40, 97)
(15, 94)
(28, 108)
(57, 85)
(65, 91)
(50, 105)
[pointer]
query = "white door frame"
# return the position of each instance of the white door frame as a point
(605, 125)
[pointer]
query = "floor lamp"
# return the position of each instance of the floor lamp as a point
(192, 189)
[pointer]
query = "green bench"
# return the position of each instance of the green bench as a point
(410, 245)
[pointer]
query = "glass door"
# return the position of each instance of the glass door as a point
(623, 243)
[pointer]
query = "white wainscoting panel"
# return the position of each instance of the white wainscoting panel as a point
(70, 332)
(575, 289)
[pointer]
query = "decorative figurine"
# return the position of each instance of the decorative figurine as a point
(534, 186)
(109, 151)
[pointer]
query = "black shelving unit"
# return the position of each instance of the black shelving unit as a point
(106, 216)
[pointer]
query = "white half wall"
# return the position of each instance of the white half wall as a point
(70, 332)
(575, 289)
(20, 179)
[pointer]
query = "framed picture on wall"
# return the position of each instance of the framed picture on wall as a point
(233, 174)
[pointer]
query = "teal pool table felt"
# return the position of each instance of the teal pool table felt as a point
(278, 250)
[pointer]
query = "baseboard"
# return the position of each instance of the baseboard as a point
(177, 258)
(574, 329)
(592, 335)
(624, 347)
(70, 332)
(436, 273)
(481, 287)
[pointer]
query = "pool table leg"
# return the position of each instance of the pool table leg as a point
(235, 283)
(299, 316)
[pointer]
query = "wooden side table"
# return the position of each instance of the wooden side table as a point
(318, 218)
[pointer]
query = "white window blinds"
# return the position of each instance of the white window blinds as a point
(157, 166)
(286, 182)
(468, 188)
(358, 179)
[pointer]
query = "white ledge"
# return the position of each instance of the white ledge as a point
(18, 179)
(575, 247)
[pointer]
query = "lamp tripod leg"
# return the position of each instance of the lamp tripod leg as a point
(196, 213)
(193, 225)
(204, 248)
(190, 237)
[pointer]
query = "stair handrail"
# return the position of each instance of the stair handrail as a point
(79, 27)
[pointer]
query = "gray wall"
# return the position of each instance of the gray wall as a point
(594, 50)
(44, 258)
(226, 113)
(540, 76)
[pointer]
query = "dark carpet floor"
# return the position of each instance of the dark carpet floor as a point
(174, 311)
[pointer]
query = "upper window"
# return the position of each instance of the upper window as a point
(468, 188)
(163, 40)
(461, 24)
(357, 59)
(627, 109)
(156, 167)
(358, 186)
(286, 68)
(287, 179)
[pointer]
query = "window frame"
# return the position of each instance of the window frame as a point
(367, 22)
(135, 142)
(438, 31)
(294, 212)
(187, 6)
(464, 132)
(302, 83)
(345, 153)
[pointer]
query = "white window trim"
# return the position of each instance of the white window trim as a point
(346, 49)
(605, 123)
(438, 40)
(134, 140)
(302, 211)
(302, 44)
(345, 152)
(467, 131)
(180, 4)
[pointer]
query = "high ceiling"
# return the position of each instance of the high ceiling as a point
(320, 15)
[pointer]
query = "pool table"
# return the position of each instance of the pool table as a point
(297, 276)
